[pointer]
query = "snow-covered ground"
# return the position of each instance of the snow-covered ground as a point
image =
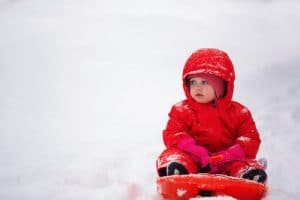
(86, 86)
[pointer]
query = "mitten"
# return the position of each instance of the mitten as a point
(198, 153)
(218, 160)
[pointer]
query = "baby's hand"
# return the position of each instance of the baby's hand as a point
(198, 153)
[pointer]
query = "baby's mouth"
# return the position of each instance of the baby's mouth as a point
(199, 95)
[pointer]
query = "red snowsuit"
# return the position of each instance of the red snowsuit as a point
(214, 126)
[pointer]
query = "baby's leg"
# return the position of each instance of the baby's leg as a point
(248, 169)
(174, 161)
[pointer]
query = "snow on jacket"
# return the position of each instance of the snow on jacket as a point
(217, 126)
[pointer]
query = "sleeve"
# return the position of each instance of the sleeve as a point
(177, 127)
(248, 135)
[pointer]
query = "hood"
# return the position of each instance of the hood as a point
(211, 61)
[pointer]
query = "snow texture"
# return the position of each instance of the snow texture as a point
(86, 87)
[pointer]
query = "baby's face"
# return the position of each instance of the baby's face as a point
(201, 91)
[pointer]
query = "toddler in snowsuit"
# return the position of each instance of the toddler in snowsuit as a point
(208, 131)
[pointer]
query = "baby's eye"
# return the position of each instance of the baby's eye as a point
(204, 82)
(193, 82)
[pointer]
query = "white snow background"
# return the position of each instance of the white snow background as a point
(86, 86)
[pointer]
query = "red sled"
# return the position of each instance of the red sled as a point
(184, 187)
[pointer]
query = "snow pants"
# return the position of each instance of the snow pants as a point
(234, 168)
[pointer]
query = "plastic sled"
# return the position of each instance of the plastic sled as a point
(184, 187)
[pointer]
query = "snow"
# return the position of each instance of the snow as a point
(86, 87)
(180, 192)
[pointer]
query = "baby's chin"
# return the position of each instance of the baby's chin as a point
(202, 99)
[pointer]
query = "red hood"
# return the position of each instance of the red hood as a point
(210, 61)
